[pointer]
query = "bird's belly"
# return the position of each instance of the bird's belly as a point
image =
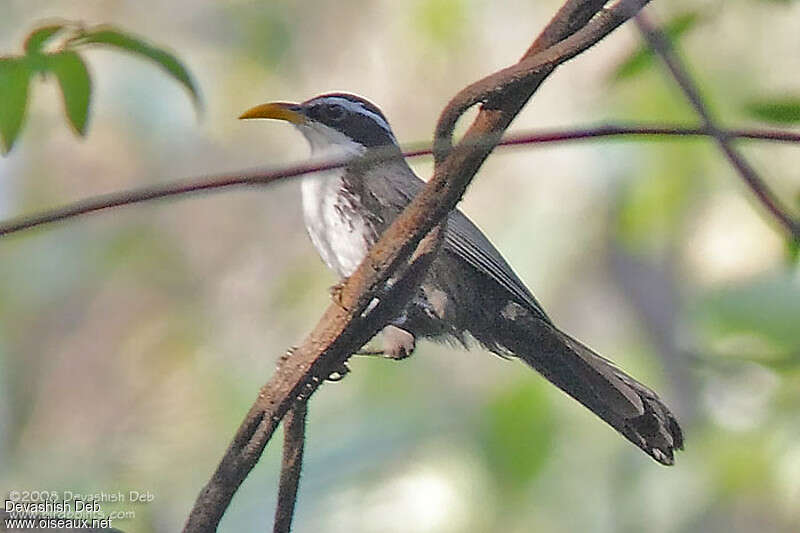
(338, 231)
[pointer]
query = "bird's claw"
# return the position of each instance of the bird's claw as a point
(336, 292)
(285, 357)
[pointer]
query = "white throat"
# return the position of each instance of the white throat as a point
(328, 143)
(339, 240)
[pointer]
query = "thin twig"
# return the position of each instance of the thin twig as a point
(663, 47)
(262, 176)
(294, 438)
(257, 176)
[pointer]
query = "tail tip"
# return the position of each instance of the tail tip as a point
(659, 436)
(665, 458)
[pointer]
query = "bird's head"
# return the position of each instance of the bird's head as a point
(333, 121)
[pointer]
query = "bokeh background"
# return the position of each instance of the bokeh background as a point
(133, 341)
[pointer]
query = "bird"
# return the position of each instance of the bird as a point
(470, 294)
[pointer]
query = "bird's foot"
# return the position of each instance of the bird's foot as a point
(283, 358)
(336, 292)
(337, 374)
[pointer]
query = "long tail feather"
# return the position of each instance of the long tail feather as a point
(628, 406)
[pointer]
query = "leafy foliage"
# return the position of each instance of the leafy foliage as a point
(777, 110)
(68, 67)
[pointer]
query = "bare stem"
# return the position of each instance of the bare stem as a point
(294, 437)
(663, 47)
(264, 176)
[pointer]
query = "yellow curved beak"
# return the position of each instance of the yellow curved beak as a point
(275, 110)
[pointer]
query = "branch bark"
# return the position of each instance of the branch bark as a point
(348, 324)
(294, 437)
(345, 327)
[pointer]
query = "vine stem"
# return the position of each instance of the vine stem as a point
(263, 176)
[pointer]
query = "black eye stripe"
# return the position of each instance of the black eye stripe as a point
(364, 130)
(329, 113)
(353, 116)
(348, 101)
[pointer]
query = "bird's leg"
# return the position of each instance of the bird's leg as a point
(398, 344)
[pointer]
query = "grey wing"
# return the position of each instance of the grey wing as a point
(464, 239)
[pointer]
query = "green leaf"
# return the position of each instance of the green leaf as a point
(113, 37)
(778, 110)
(39, 37)
(643, 57)
(14, 77)
(76, 87)
(793, 251)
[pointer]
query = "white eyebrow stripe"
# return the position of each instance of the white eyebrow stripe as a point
(358, 107)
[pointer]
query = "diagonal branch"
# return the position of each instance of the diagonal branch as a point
(345, 327)
(663, 47)
(348, 324)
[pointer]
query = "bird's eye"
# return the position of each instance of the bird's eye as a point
(333, 112)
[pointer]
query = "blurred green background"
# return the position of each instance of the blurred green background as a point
(132, 342)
